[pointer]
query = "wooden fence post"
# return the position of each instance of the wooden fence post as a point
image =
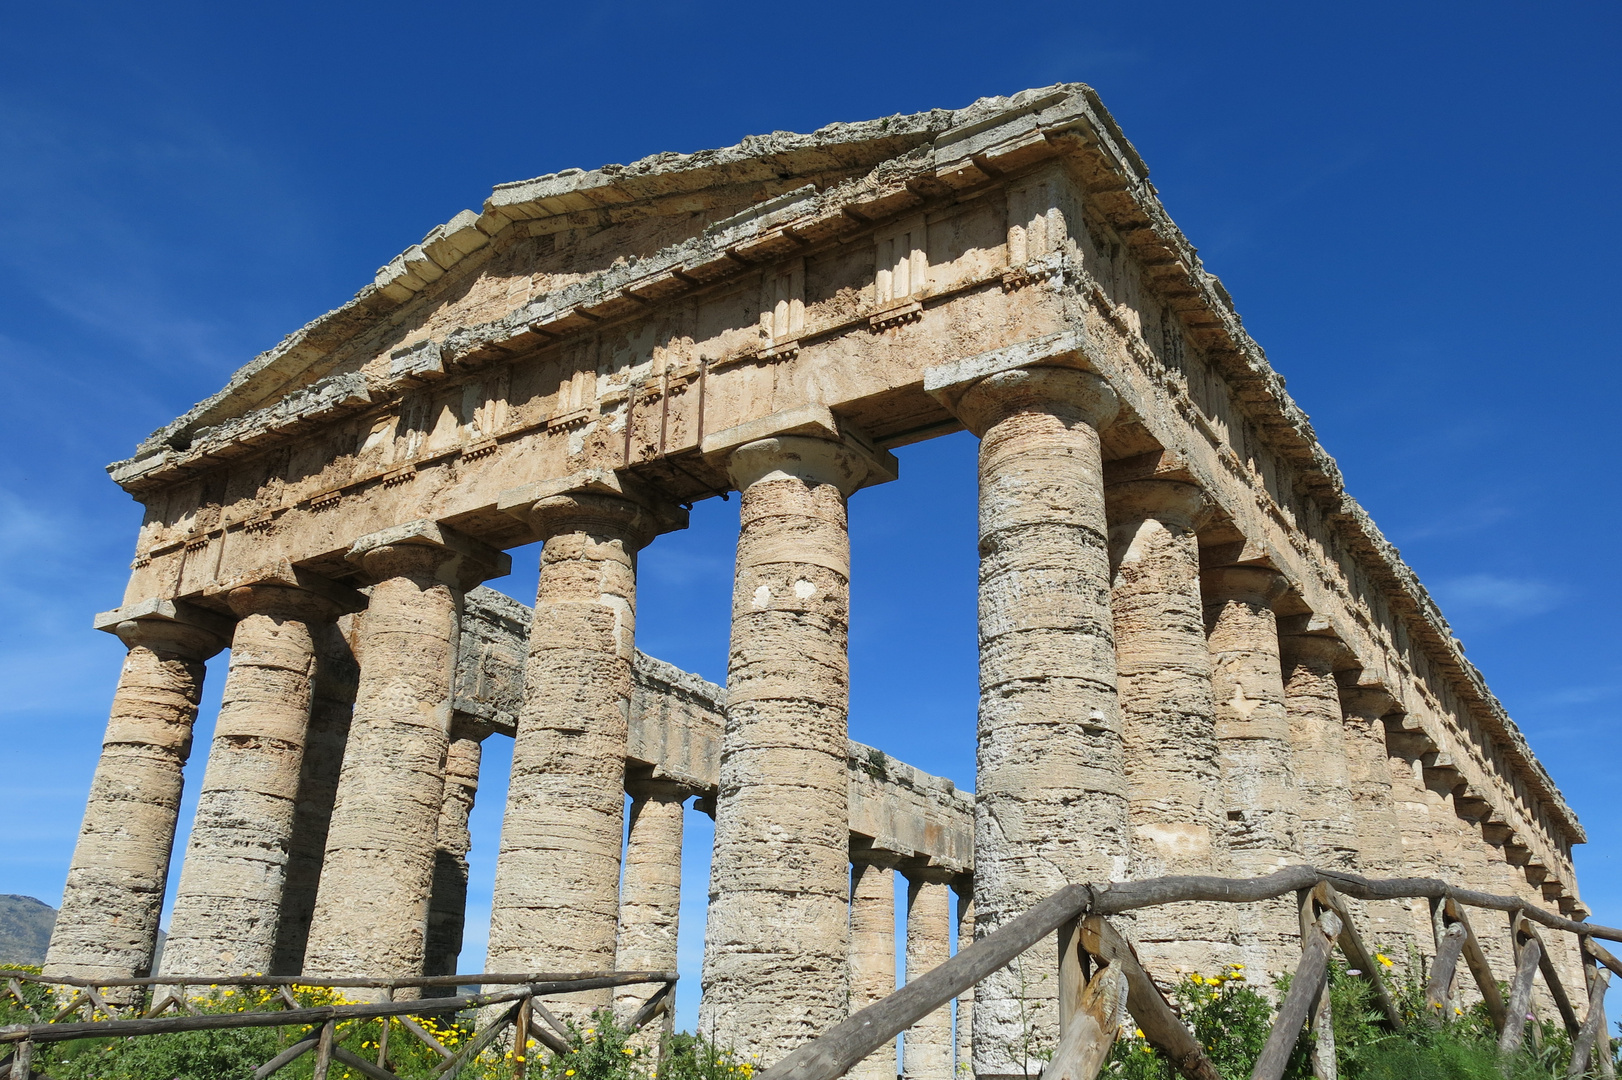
(1528, 951)
(1092, 1026)
(1304, 988)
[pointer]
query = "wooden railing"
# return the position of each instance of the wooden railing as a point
(516, 1007)
(1090, 1005)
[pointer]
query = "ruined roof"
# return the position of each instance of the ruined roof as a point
(868, 169)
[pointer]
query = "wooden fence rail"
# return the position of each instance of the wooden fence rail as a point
(1326, 923)
(1101, 981)
(520, 1011)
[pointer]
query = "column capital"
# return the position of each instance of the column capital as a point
(593, 499)
(1367, 700)
(1072, 348)
(658, 789)
(808, 443)
(283, 590)
(863, 853)
(926, 871)
(1321, 651)
(428, 548)
(1174, 502)
(168, 626)
(1254, 585)
(1047, 389)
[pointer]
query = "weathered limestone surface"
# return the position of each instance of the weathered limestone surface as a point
(557, 874)
(926, 1048)
(1253, 737)
(108, 922)
(336, 675)
(872, 953)
(1323, 796)
(1174, 778)
(650, 896)
(228, 906)
(1051, 797)
(447, 906)
(1378, 827)
(777, 941)
(371, 908)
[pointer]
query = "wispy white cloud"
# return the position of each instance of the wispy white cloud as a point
(1496, 596)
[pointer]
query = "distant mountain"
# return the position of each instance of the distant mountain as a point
(25, 929)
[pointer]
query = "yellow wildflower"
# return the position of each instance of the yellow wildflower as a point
(1138, 1032)
(1383, 958)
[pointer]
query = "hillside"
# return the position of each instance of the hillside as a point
(25, 929)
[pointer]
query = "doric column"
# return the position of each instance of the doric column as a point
(1050, 779)
(371, 910)
(447, 909)
(1318, 749)
(926, 1047)
(229, 903)
(963, 1065)
(108, 924)
(1253, 741)
(336, 676)
(778, 939)
(650, 895)
(556, 900)
(1425, 834)
(872, 951)
(1168, 716)
(1377, 830)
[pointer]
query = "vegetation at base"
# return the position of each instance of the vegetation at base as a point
(1231, 1020)
(599, 1051)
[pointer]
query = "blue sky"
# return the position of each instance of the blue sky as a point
(1414, 206)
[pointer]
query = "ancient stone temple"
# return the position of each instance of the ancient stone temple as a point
(1197, 653)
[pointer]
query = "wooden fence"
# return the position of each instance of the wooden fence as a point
(1100, 976)
(1100, 979)
(515, 1007)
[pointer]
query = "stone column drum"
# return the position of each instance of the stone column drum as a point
(1377, 831)
(650, 894)
(371, 910)
(872, 953)
(1174, 780)
(926, 1047)
(778, 939)
(963, 1023)
(1050, 777)
(1318, 749)
(1253, 741)
(556, 900)
(108, 924)
(229, 903)
(336, 675)
(447, 910)
(1424, 833)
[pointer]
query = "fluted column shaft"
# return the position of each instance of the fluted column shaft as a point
(1253, 741)
(650, 896)
(1168, 716)
(108, 924)
(447, 910)
(1050, 784)
(1318, 750)
(556, 900)
(777, 941)
(229, 902)
(926, 1047)
(371, 910)
(872, 955)
(330, 712)
(1378, 830)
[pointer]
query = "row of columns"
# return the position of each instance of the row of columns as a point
(1138, 716)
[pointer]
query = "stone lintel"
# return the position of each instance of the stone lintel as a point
(813, 421)
(1069, 348)
(175, 611)
(478, 559)
(518, 501)
(284, 573)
